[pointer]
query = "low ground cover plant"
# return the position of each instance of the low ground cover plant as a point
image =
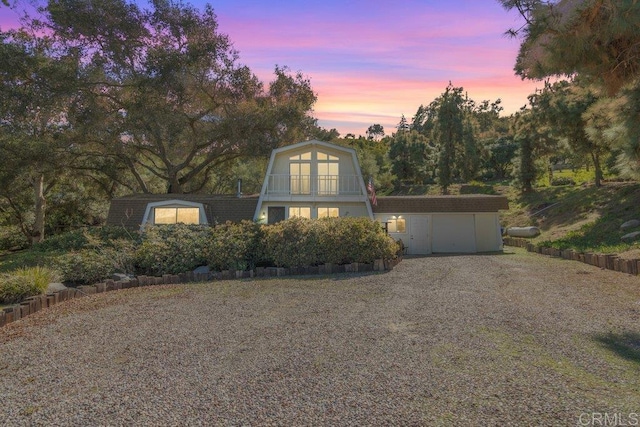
(25, 282)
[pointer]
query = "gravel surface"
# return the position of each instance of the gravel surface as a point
(512, 339)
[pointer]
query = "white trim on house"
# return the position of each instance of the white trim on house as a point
(357, 196)
(175, 203)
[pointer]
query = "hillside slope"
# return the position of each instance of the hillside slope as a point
(582, 217)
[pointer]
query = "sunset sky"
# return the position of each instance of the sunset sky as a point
(372, 61)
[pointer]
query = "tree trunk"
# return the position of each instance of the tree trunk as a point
(598, 170)
(174, 186)
(37, 232)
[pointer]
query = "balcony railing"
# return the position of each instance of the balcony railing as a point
(314, 185)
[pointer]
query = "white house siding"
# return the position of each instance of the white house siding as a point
(427, 233)
(319, 182)
(488, 235)
(345, 209)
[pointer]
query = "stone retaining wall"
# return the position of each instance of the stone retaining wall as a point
(606, 261)
(34, 304)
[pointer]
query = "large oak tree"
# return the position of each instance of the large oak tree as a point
(162, 93)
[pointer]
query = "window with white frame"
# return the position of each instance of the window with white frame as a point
(328, 173)
(176, 215)
(300, 211)
(328, 212)
(300, 173)
(396, 224)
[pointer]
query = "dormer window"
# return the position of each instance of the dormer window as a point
(176, 216)
(174, 212)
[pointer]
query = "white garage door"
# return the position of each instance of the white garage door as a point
(454, 233)
(488, 236)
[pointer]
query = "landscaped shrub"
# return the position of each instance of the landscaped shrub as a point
(173, 249)
(300, 242)
(86, 266)
(235, 246)
(24, 283)
(85, 237)
(350, 239)
(292, 243)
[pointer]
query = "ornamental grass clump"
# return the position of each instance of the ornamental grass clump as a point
(24, 283)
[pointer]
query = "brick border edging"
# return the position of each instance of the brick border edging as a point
(40, 302)
(606, 261)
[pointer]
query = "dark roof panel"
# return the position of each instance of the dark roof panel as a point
(129, 211)
(426, 204)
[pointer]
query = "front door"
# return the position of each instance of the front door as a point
(419, 243)
(276, 214)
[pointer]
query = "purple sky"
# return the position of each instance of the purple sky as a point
(372, 61)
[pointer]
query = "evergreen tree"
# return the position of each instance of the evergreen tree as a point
(448, 133)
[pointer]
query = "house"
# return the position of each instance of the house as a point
(317, 179)
(312, 179)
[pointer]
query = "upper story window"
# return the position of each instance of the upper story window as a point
(300, 173)
(328, 173)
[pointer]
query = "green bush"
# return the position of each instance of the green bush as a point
(86, 266)
(11, 239)
(235, 246)
(85, 238)
(300, 242)
(562, 180)
(25, 282)
(292, 243)
(173, 249)
(349, 239)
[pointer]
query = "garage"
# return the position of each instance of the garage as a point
(443, 224)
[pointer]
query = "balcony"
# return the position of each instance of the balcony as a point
(314, 185)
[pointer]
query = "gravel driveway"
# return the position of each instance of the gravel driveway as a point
(513, 339)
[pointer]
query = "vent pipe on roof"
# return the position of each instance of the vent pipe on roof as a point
(239, 193)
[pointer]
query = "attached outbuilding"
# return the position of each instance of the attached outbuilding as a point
(135, 211)
(443, 224)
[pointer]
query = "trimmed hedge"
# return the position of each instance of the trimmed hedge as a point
(173, 249)
(236, 246)
(300, 242)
